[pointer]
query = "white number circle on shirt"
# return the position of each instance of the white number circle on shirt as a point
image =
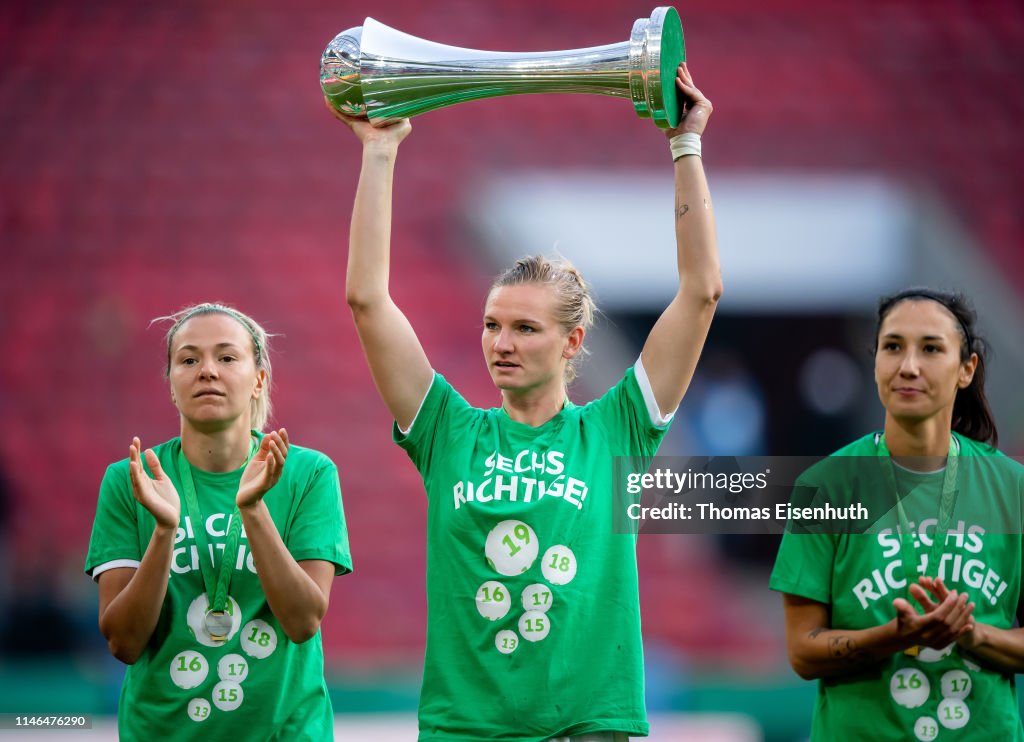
(511, 547)
(926, 728)
(909, 687)
(233, 667)
(927, 654)
(227, 696)
(199, 709)
(506, 641)
(493, 600)
(537, 597)
(534, 626)
(956, 684)
(259, 639)
(953, 713)
(196, 618)
(559, 565)
(189, 669)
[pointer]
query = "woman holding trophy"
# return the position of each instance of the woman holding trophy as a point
(533, 626)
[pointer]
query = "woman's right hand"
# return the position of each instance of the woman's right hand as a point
(370, 135)
(157, 493)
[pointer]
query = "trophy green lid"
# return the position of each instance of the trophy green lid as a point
(656, 50)
(673, 53)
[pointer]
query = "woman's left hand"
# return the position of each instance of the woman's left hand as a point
(969, 638)
(695, 108)
(264, 469)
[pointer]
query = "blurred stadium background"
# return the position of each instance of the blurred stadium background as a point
(156, 155)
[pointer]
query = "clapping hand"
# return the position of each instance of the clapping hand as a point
(947, 615)
(264, 469)
(157, 493)
(967, 638)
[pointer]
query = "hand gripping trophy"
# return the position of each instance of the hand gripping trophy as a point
(377, 72)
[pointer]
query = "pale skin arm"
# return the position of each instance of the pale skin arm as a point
(1002, 649)
(131, 599)
(298, 593)
(675, 342)
(397, 361)
(816, 650)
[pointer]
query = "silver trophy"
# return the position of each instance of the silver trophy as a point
(376, 72)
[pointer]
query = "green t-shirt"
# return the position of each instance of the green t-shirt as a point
(258, 684)
(533, 627)
(938, 694)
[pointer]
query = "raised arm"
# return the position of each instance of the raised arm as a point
(397, 361)
(674, 345)
(817, 650)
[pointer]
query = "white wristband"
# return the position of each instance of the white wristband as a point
(684, 144)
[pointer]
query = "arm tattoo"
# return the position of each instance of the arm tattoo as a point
(814, 634)
(681, 210)
(845, 648)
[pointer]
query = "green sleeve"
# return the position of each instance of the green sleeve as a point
(318, 529)
(804, 565)
(623, 414)
(115, 530)
(445, 416)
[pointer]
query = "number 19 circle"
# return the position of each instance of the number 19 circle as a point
(511, 547)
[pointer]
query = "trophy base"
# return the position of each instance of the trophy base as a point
(656, 49)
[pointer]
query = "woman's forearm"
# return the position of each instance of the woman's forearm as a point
(1002, 649)
(823, 652)
(127, 621)
(295, 599)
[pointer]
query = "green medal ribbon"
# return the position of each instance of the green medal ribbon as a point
(218, 622)
(947, 504)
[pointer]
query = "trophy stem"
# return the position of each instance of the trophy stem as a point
(394, 88)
